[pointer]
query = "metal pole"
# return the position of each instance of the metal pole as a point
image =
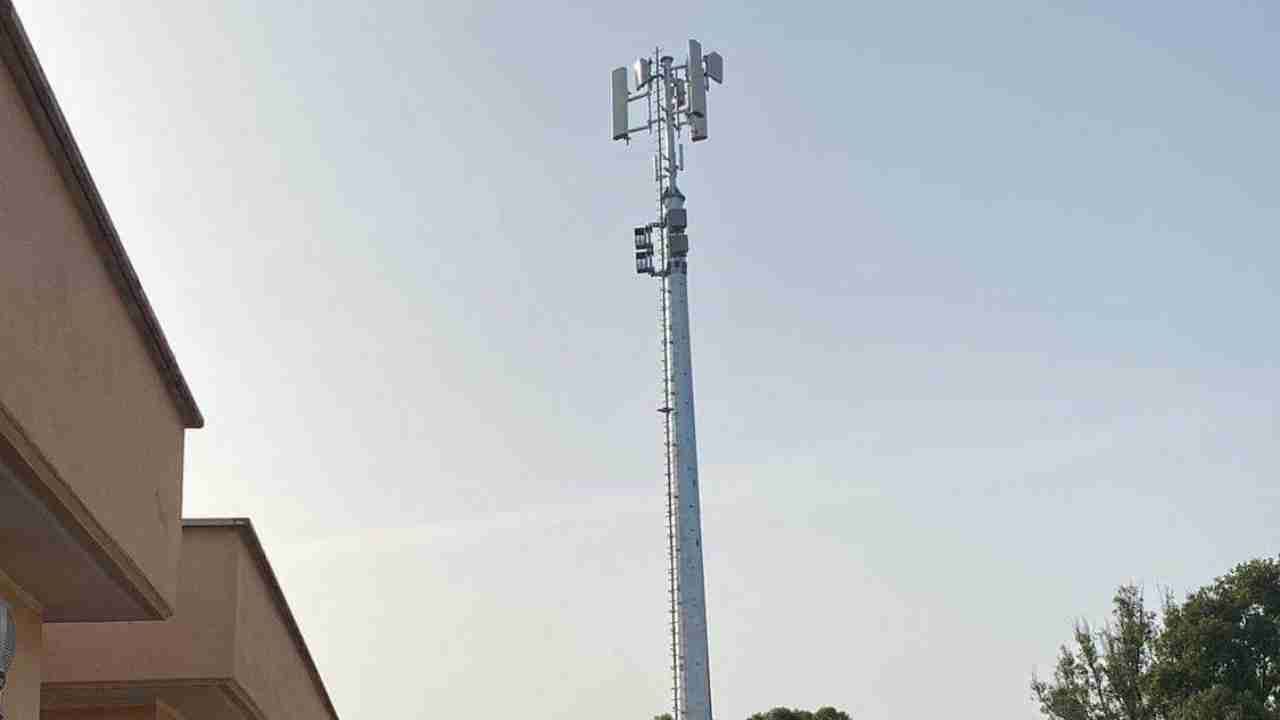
(667, 406)
(695, 685)
(662, 247)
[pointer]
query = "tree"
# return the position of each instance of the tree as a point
(1220, 650)
(1216, 656)
(781, 713)
(1108, 673)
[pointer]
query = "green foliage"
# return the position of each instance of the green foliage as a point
(1220, 650)
(1106, 675)
(1215, 657)
(781, 713)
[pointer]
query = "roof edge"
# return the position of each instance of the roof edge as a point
(250, 536)
(21, 58)
(53, 695)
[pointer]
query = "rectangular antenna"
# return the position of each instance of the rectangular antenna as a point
(620, 104)
(698, 127)
(643, 69)
(697, 81)
(697, 93)
(715, 67)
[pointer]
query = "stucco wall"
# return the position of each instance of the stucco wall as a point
(149, 711)
(197, 643)
(21, 699)
(229, 632)
(271, 667)
(74, 368)
(126, 712)
(164, 712)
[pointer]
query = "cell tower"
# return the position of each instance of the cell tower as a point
(675, 97)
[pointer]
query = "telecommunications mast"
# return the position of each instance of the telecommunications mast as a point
(676, 98)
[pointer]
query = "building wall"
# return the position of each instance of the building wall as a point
(149, 711)
(75, 372)
(230, 645)
(197, 643)
(122, 712)
(164, 712)
(271, 667)
(21, 698)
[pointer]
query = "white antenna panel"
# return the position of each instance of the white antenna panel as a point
(643, 71)
(620, 103)
(697, 83)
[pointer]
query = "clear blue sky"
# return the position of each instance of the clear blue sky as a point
(984, 301)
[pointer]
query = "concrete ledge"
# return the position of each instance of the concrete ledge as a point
(151, 710)
(54, 548)
(232, 650)
(199, 699)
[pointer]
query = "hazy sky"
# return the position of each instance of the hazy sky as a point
(984, 306)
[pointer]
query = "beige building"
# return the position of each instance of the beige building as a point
(114, 597)
(233, 649)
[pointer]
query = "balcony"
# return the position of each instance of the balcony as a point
(231, 652)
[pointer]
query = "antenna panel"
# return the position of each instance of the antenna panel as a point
(698, 127)
(697, 82)
(714, 66)
(620, 103)
(643, 71)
